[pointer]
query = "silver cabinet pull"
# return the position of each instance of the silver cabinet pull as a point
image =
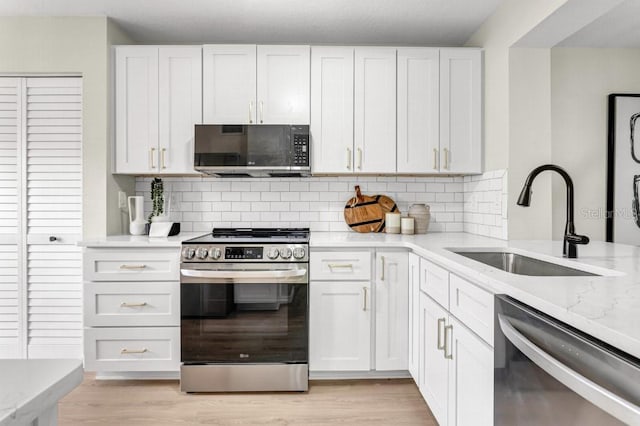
(124, 351)
(364, 299)
(163, 151)
(132, 305)
(435, 159)
(152, 155)
(250, 112)
(133, 266)
(340, 265)
(440, 324)
(359, 159)
(446, 158)
(261, 112)
(448, 353)
(349, 158)
(382, 268)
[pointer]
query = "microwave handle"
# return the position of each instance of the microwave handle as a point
(609, 402)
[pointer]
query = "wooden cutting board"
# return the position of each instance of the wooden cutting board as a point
(363, 213)
(388, 206)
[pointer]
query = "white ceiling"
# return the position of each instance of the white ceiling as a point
(419, 22)
(620, 27)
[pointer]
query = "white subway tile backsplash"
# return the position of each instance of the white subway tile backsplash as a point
(475, 204)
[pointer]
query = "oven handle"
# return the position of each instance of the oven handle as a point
(611, 403)
(244, 274)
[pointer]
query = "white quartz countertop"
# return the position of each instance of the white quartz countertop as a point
(606, 307)
(30, 386)
(136, 241)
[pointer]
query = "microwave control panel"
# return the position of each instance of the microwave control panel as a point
(300, 150)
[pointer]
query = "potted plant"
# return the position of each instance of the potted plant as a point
(160, 202)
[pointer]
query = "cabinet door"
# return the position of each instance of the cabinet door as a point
(340, 326)
(375, 110)
(418, 110)
(332, 109)
(434, 367)
(470, 378)
(414, 308)
(283, 77)
(136, 109)
(229, 84)
(460, 110)
(392, 307)
(180, 106)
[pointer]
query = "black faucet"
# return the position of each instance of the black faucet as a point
(569, 248)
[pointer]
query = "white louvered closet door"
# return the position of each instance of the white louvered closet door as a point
(54, 216)
(10, 226)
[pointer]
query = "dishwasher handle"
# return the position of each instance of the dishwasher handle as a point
(604, 399)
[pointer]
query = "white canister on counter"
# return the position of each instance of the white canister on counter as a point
(407, 225)
(392, 223)
(422, 216)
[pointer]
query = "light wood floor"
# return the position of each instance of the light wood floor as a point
(361, 402)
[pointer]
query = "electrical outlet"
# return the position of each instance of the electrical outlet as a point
(122, 199)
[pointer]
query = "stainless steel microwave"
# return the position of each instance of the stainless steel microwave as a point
(252, 150)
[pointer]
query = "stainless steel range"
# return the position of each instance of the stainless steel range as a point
(244, 311)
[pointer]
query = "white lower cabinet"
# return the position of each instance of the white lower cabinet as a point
(358, 312)
(391, 307)
(132, 310)
(434, 366)
(414, 309)
(340, 326)
(455, 365)
(470, 377)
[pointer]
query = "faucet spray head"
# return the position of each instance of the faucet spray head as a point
(524, 199)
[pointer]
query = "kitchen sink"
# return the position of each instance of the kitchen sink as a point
(522, 265)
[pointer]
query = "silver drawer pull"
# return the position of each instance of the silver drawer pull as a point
(340, 265)
(125, 351)
(133, 266)
(441, 322)
(132, 305)
(448, 353)
(364, 299)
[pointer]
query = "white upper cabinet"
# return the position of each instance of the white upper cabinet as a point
(180, 100)
(461, 110)
(418, 110)
(158, 101)
(332, 109)
(283, 80)
(375, 110)
(249, 84)
(229, 84)
(136, 101)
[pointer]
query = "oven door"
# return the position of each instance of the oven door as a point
(244, 313)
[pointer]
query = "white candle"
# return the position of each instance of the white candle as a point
(406, 224)
(392, 223)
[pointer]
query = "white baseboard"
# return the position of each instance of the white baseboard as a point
(356, 375)
(138, 375)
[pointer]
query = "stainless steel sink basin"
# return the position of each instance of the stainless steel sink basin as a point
(522, 265)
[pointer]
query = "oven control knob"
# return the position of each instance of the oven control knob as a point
(298, 253)
(285, 253)
(201, 253)
(188, 253)
(215, 253)
(272, 253)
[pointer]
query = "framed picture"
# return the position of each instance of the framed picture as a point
(623, 169)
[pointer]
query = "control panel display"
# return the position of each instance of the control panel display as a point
(300, 149)
(243, 253)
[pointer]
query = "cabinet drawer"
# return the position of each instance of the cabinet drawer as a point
(434, 281)
(142, 264)
(329, 266)
(472, 306)
(132, 349)
(131, 304)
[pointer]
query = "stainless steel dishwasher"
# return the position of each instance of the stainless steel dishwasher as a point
(547, 372)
